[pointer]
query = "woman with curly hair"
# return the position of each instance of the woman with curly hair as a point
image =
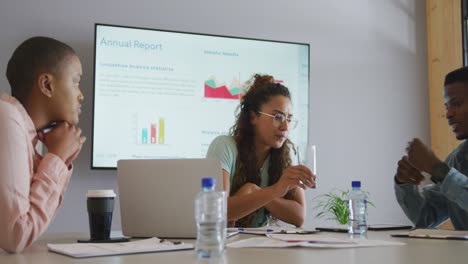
(256, 162)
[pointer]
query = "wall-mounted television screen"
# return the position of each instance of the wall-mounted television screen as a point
(166, 94)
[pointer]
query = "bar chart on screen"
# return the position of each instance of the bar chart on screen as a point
(150, 129)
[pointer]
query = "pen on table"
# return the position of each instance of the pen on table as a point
(302, 232)
(241, 229)
(288, 232)
(292, 232)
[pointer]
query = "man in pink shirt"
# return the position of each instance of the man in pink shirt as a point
(44, 75)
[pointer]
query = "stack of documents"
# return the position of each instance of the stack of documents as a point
(81, 250)
(315, 241)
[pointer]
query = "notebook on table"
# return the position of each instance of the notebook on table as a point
(85, 250)
(157, 196)
(434, 234)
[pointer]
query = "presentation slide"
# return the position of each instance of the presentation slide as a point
(160, 94)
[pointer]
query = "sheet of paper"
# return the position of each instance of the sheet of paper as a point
(80, 250)
(324, 242)
(314, 238)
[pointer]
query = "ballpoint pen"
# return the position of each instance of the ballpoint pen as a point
(300, 232)
(242, 229)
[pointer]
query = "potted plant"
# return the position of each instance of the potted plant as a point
(334, 206)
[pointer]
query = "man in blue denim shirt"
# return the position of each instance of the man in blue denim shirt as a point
(448, 196)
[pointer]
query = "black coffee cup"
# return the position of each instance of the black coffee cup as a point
(100, 205)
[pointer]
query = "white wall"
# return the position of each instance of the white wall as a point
(368, 77)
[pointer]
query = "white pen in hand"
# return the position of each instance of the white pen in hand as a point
(49, 127)
(299, 162)
(310, 159)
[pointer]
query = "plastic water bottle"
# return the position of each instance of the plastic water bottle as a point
(210, 217)
(357, 204)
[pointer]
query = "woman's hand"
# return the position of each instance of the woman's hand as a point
(65, 141)
(294, 176)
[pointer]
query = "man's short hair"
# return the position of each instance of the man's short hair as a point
(31, 58)
(458, 75)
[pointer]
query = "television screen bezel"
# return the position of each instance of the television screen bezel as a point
(181, 32)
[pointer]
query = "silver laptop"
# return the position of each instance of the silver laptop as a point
(157, 196)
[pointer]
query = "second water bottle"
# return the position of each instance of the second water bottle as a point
(357, 204)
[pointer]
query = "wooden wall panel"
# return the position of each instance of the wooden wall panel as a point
(445, 53)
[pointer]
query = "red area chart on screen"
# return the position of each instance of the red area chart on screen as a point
(221, 91)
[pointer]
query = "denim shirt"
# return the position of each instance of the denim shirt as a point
(438, 202)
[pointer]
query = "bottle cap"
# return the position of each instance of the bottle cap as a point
(208, 182)
(356, 184)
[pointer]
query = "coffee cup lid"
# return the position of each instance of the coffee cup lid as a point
(100, 193)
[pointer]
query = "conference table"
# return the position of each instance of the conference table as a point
(415, 251)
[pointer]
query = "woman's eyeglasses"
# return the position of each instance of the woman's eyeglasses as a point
(279, 119)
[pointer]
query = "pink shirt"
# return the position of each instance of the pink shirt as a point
(31, 186)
